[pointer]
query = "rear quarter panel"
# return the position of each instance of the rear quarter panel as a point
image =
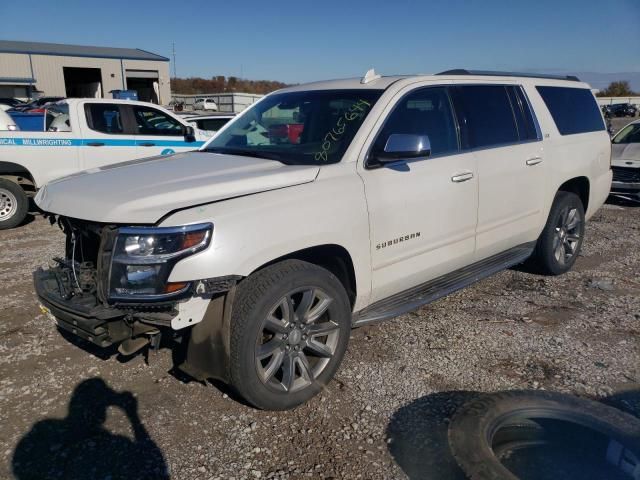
(570, 156)
(46, 155)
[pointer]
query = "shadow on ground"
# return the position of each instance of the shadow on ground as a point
(80, 447)
(418, 432)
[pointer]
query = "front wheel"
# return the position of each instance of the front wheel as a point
(560, 241)
(290, 327)
(14, 204)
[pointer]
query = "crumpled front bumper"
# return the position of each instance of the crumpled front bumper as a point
(85, 316)
(82, 315)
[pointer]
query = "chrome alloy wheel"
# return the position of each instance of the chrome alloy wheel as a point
(8, 204)
(567, 235)
(297, 340)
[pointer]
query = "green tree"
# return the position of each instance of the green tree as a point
(620, 88)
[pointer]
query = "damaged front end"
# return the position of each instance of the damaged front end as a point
(112, 286)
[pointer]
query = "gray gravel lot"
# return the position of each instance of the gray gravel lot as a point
(384, 415)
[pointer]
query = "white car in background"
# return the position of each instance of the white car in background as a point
(209, 124)
(6, 122)
(205, 104)
(625, 161)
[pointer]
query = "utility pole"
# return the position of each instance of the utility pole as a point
(175, 74)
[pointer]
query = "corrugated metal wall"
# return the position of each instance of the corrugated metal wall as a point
(227, 102)
(14, 65)
(614, 100)
(49, 75)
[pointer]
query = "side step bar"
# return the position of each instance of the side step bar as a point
(427, 292)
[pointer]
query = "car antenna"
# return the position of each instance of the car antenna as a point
(370, 76)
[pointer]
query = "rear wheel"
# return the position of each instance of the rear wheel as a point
(14, 204)
(560, 241)
(289, 331)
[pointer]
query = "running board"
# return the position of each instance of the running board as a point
(427, 292)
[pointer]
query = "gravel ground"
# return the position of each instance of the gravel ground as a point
(70, 411)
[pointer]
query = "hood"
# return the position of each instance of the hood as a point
(144, 190)
(621, 152)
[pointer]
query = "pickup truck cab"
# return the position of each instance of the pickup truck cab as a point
(262, 250)
(82, 134)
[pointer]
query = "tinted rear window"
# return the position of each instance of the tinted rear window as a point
(485, 114)
(574, 110)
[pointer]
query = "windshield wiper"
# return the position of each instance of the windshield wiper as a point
(244, 153)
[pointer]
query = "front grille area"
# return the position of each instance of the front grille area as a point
(88, 249)
(626, 174)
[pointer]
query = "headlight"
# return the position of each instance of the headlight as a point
(143, 258)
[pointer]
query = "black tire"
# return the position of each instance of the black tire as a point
(14, 204)
(476, 426)
(256, 298)
(544, 258)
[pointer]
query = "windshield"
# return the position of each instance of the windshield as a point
(298, 128)
(629, 134)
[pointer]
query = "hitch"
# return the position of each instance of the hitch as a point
(142, 335)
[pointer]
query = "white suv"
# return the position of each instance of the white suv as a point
(323, 207)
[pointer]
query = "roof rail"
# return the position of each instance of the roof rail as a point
(462, 71)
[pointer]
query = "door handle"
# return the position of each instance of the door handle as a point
(462, 177)
(534, 161)
(147, 144)
(95, 144)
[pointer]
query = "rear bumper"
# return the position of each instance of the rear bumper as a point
(81, 315)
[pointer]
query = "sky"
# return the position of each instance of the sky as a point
(299, 41)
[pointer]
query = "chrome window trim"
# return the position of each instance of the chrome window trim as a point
(461, 149)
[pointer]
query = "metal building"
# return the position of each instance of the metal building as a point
(30, 69)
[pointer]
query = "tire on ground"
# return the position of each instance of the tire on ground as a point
(504, 413)
(14, 200)
(543, 260)
(255, 298)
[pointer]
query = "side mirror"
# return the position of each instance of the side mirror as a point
(189, 134)
(402, 146)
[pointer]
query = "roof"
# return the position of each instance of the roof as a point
(488, 73)
(384, 82)
(37, 48)
(346, 83)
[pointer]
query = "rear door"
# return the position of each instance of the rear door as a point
(159, 133)
(108, 137)
(498, 126)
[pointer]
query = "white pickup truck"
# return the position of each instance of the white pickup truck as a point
(82, 134)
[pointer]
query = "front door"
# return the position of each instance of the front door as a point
(422, 212)
(159, 133)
